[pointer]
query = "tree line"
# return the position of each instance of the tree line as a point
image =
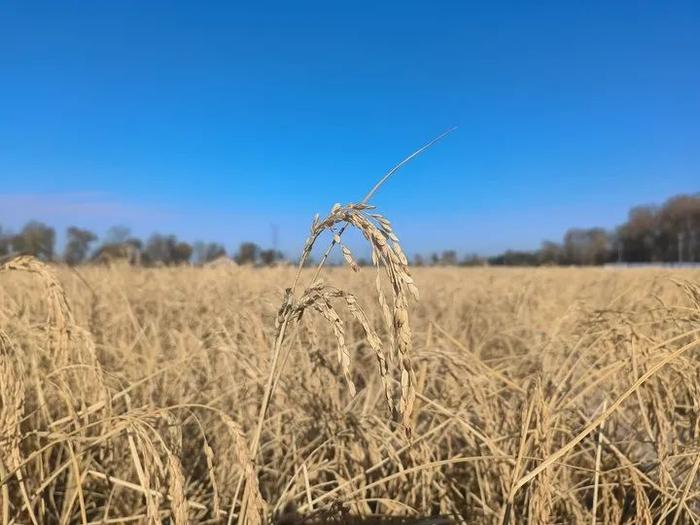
(82, 246)
(652, 234)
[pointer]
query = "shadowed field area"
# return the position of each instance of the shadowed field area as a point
(132, 394)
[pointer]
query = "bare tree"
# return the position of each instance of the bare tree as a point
(550, 253)
(35, 239)
(448, 258)
(678, 222)
(248, 253)
(5, 242)
(271, 256)
(117, 235)
(167, 250)
(586, 246)
(206, 252)
(78, 245)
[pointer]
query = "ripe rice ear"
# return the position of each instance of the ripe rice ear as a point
(67, 342)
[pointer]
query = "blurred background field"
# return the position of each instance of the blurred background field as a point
(135, 401)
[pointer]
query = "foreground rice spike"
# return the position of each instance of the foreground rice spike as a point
(60, 318)
(377, 231)
(253, 505)
(319, 297)
(396, 266)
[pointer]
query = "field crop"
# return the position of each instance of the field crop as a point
(541, 395)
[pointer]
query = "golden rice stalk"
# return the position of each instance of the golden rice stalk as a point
(347, 254)
(60, 318)
(541, 493)
(386, 315)
(11, 400)
(12, 405)
(148, 467)
(176, 491)
(316, 299)
(253, 506)
(319, 297)
(387, 253)
(216, 501)
(67, 342)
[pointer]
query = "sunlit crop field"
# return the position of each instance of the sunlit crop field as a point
(550, 395)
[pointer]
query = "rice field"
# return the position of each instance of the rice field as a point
(549, 395)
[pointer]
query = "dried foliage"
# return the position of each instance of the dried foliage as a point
(556, 395)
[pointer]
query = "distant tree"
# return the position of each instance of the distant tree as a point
(270, 257)
(448, 258)
(515, 258)
(77, 245)
(586, 246)
(117, 235)
(550, 253)
(666, 233)
(181, 253)
(418, 260)
(134, 242)
(248, 253)
(637, 238)
(119, 245)
(473, 260)
(5, 242)
(129, 251)
(165, 249)
(35, 239)
(158, 249)
(205, 252)
(678, 223)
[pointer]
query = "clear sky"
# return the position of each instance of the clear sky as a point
(216, 120)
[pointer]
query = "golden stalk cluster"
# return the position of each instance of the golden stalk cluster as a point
(542, 395)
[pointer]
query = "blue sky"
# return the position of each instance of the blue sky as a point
(217, 120)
